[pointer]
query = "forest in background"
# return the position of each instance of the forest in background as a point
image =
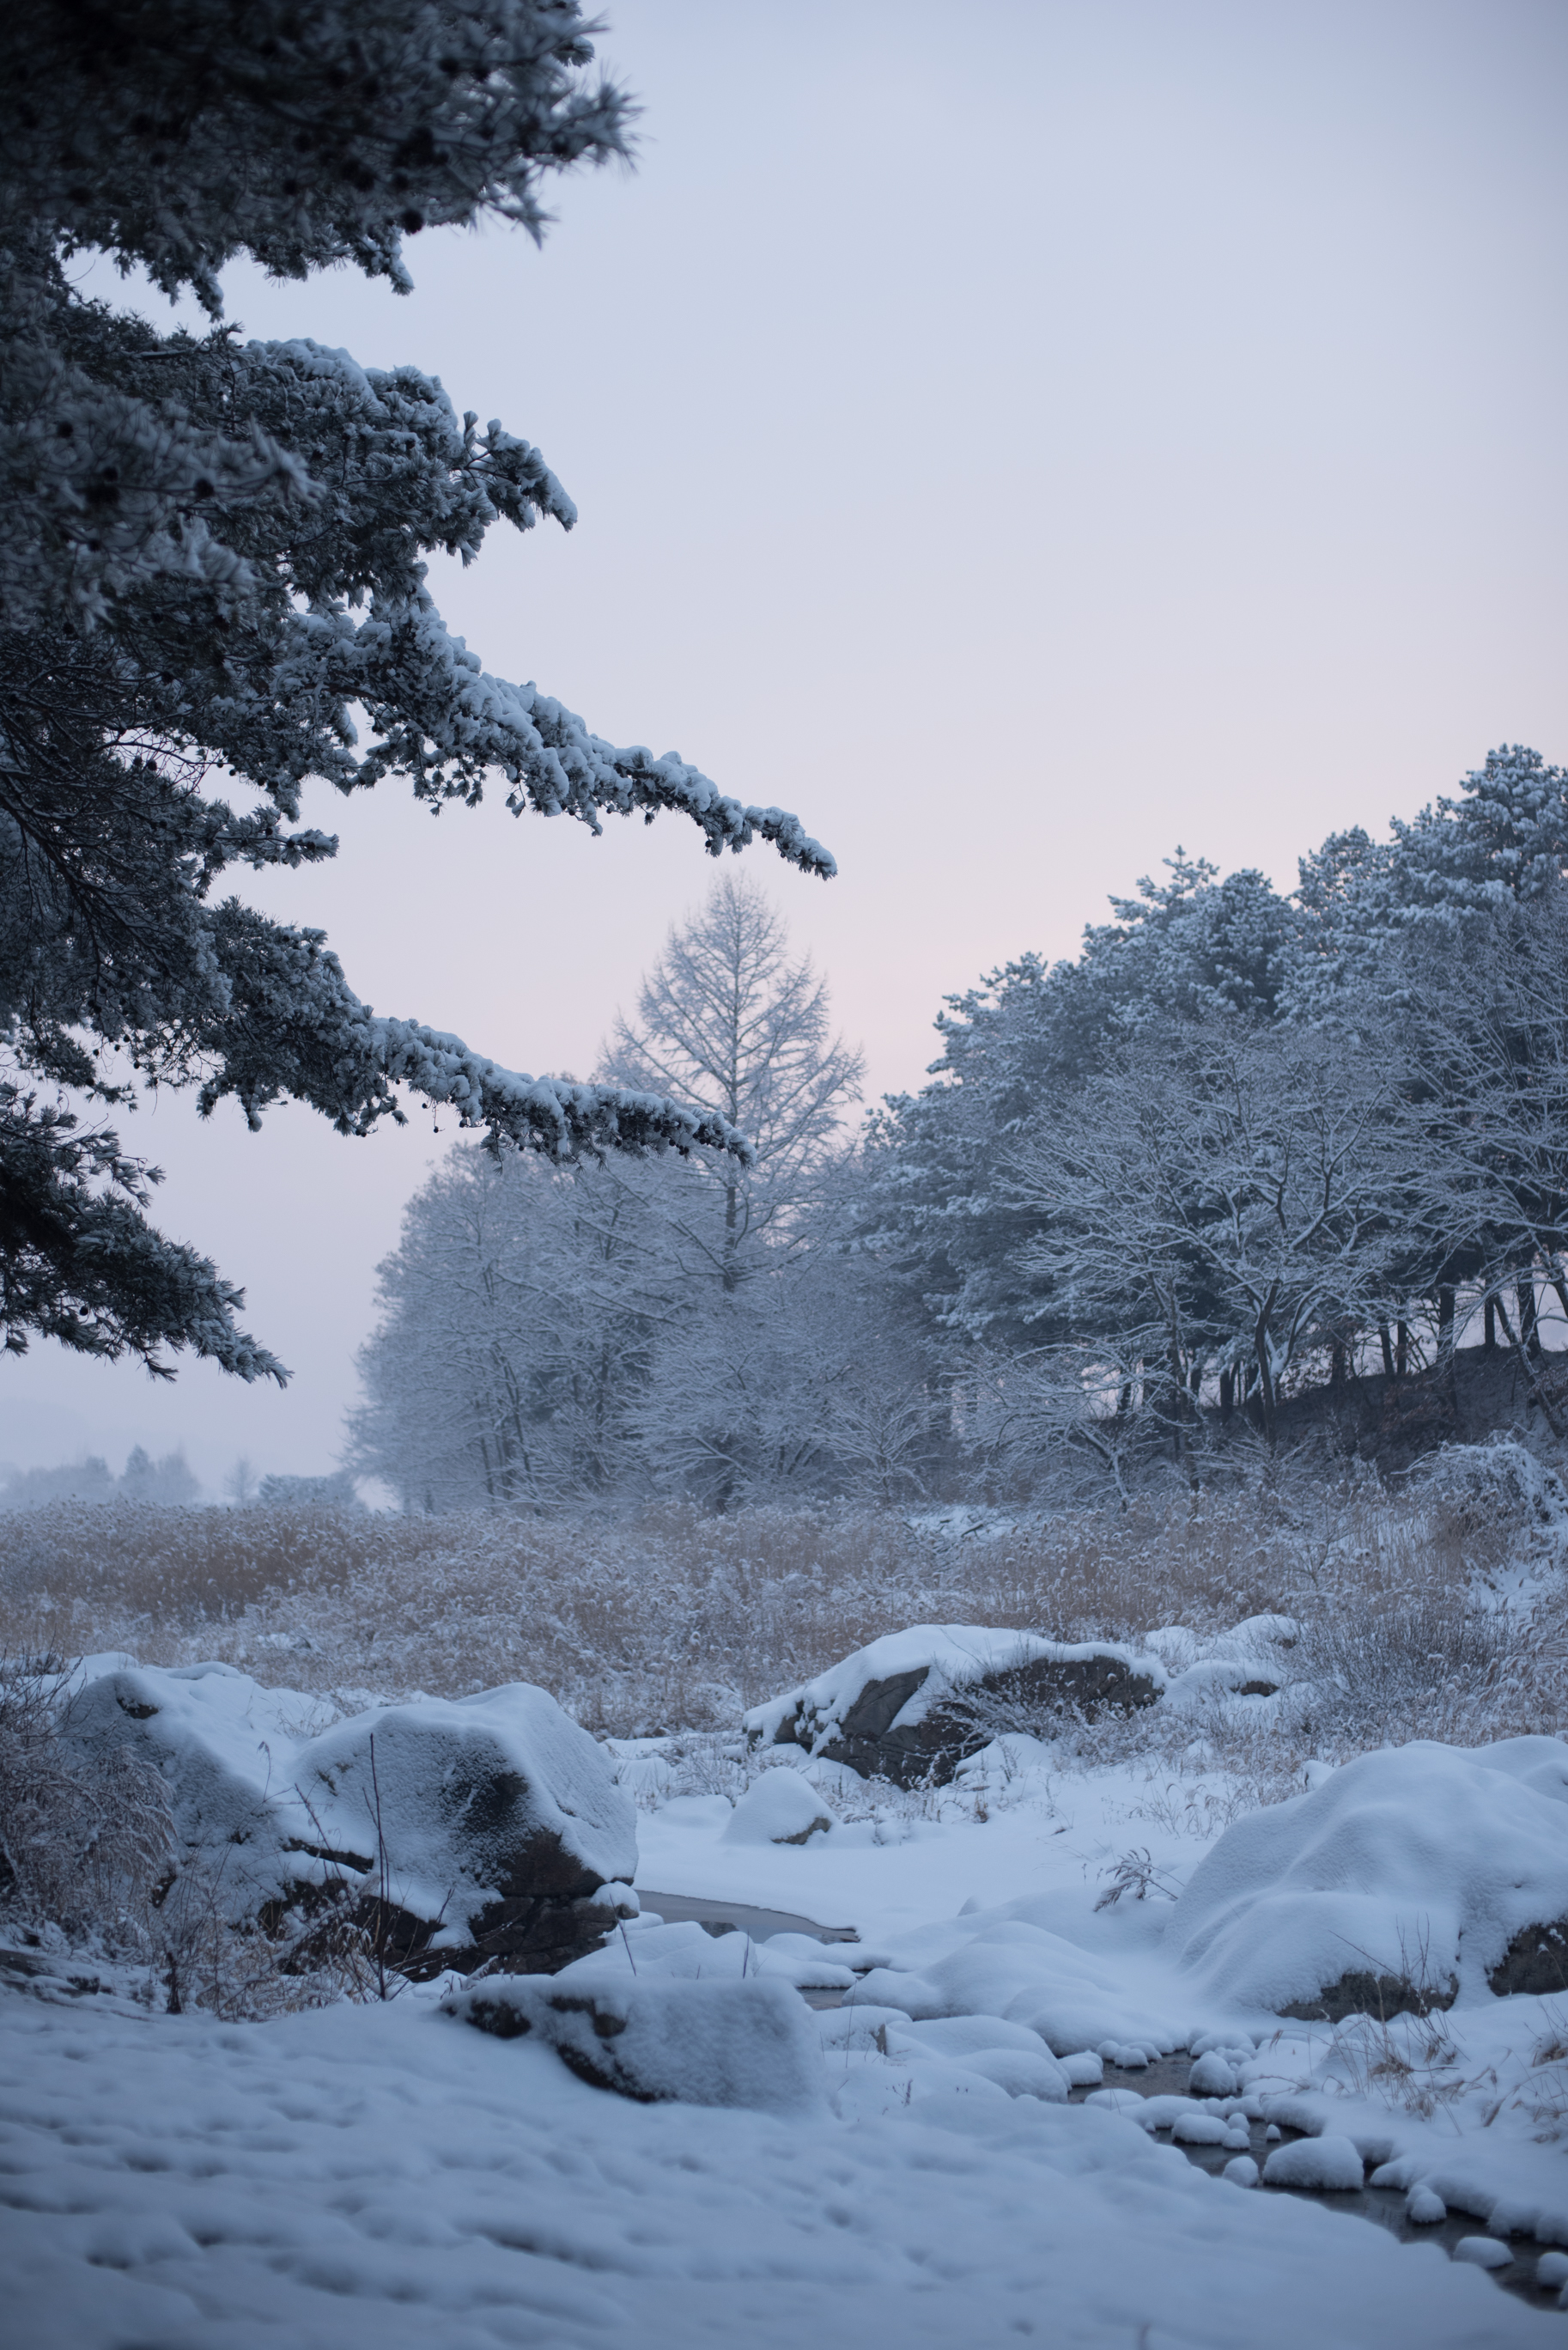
(1248, 1172)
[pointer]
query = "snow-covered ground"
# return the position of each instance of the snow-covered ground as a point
(386, 2174)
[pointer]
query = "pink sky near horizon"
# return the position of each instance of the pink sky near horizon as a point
(1019, 440)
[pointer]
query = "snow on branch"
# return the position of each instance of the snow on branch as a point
(550, 1114)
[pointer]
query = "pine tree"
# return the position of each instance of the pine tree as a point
(213, 549)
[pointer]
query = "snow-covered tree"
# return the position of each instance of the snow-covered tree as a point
(940, 1197)
(1220, 1204)
(214, 550)
(556, 1337)
(728, 1020)
(1366, 938)
(517, 1314)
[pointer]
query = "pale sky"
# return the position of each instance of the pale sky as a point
(1018, 438)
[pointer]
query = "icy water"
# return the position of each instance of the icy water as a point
(731, 1916)
(1384, 2206)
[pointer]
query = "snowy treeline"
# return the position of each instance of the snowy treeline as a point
(168, 1483)
(1246, 1143)
(1243, 1144)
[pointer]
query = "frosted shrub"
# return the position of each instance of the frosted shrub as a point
(90, 1866)
(1424, 1669)
(80, 1851)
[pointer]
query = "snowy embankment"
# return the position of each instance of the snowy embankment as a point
(385, 2176)
(451, 2167)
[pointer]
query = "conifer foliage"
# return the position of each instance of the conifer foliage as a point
(215, 555)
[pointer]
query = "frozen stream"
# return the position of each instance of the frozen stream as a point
(1384, 2206)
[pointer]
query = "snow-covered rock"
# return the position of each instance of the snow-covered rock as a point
(781, 1807)
(488, 1826)
(912, 1705)
(501, 1821)
(749, 2043)
(1407, 1879)
(1330, 2163)
(686, 1950)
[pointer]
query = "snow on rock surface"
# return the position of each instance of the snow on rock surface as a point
(1483, 2252)
(490, 1825)
(1408, 1878)
(224, 1748)
(780, 1808)
(699, 2043)
(1083, 1983)
(501, 1819)
(911, 1706)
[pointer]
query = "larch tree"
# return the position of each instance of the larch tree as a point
(213, 558)
(565, 1337)
(728, 1020)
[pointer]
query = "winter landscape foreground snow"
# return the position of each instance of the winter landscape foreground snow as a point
(954, 2153)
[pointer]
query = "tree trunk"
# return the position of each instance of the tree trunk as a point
(1387, 1346)
(1538, 1392)
(1401, 1349)
(732, 1241)
(1226, 1397)
(1444, 1322)
(1529, 1336)
(1490, 1338)
(1265, 1373)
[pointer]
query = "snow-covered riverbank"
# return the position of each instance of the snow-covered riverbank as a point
(382, 2175)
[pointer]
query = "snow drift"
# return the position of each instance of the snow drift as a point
(1410, 1877)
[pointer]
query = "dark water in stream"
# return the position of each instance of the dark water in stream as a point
(1384, 2206)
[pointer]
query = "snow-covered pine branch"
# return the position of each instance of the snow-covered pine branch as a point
(214, 560)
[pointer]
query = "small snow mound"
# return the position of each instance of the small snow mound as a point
(1330, 2164)
(1483, 2252)
(1021, 2073)
(1200, 2129)
(892, 1987)
(1241, 2171)
(1424, 2208)
(1211, 2076)
(780, 1808)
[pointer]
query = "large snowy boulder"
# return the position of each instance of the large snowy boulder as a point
(494, 1820)
(698, 2043)
(911, 1706)
(1410, 1879)
(491, 1826)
